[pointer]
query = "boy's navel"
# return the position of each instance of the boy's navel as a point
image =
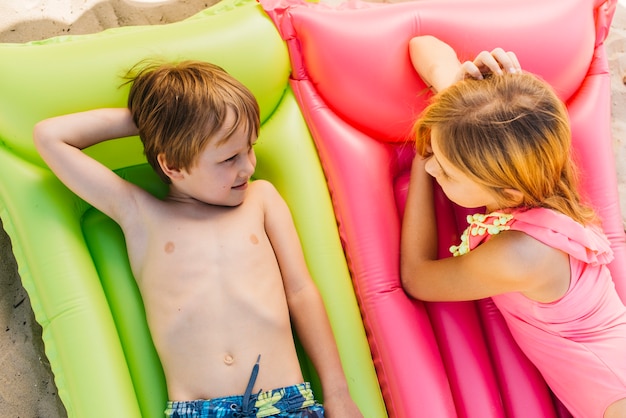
(229, 359)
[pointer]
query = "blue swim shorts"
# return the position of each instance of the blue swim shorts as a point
(295, 401)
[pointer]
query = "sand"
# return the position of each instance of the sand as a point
(27, 387)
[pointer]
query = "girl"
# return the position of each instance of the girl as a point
(497, 138)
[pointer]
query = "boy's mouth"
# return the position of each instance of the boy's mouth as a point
(241, 186)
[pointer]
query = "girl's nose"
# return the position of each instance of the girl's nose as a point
(431, 167)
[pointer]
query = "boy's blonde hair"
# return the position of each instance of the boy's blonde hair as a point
(508, 132)
(179, 107)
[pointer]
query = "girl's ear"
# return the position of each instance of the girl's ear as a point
(515, 195)
(172, 172)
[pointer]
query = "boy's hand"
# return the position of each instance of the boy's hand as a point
(341, 406)
(495, 62)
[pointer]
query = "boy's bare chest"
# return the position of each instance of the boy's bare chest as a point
(217, 269)
(223, 244)
(196, 242)
(209, 270)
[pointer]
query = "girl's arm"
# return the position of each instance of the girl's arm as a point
(435, 62)
(498, 266)
(419, 242)
(60, 141)
(306, 307)
(439, 67)
(424, 276)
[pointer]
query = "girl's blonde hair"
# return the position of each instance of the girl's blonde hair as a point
(179, 107)
(508, 132)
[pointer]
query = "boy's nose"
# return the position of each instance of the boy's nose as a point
(249, 164)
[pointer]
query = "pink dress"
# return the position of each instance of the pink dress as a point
(578, 343)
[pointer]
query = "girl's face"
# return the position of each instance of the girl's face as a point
(221, 173)
(457, 185)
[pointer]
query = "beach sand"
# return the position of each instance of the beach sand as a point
(27, 387)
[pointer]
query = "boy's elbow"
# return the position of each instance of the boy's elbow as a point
(39, 134)
(42, 132)
(45, 137)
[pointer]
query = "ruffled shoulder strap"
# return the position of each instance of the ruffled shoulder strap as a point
(588, 244)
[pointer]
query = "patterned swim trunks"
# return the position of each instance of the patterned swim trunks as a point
(295, 401)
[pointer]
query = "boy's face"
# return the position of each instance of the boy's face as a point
(221, 173)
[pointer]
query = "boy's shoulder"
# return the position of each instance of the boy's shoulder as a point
(265, 192)
(262, 183)
(263, 187)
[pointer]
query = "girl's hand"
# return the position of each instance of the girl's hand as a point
(497, 62)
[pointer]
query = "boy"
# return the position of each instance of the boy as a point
(218, 261)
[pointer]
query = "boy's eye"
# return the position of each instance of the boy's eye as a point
(228, 160)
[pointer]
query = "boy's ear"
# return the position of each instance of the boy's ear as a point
(172, 172)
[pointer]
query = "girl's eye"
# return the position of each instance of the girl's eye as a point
(231, 159)
(445, 175)
(441, 172)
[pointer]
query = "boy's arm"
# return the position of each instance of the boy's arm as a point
(306, 308)
(60, 141)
